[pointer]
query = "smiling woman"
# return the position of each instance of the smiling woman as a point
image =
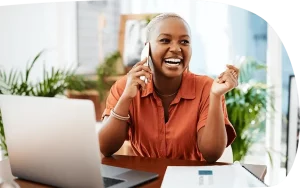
(177, 114)
(170, 46)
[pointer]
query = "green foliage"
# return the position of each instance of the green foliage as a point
(247, 110)
(3, 145)
(81, 83)
(107, 68)
(247, 107)
(16, 82)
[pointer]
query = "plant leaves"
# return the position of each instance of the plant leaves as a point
(17, 83)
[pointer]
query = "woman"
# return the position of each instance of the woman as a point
(177, 114)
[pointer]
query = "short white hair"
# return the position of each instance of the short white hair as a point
(154, 21)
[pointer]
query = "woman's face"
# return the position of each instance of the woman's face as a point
(170, 47)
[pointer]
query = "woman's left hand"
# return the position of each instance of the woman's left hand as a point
(226, 81)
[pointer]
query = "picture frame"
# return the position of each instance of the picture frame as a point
(132, 37)
(293, 126)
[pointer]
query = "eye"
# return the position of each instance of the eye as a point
(185, 42)
(165, 40)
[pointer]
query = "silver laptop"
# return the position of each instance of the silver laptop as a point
(53, 141)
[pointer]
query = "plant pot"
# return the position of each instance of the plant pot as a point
(6, 177)
(92, 95)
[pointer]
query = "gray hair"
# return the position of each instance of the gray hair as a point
(159, 18)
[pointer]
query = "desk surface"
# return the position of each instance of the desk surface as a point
(152, 165)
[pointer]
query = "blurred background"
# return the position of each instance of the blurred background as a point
(94, 37)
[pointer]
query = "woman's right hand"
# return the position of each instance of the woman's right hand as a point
(134, 83)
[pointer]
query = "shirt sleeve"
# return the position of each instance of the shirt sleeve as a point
(203, 109)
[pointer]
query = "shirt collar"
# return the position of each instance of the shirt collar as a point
(187, 89)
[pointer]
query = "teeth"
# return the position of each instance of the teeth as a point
(173, 60)
(173, 64)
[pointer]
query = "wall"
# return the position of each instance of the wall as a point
(87, 35)
(25, 30)
(96, 42)
(111, 31)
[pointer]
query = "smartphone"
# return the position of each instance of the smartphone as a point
(145, 54)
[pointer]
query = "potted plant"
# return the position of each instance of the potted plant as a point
(80, 87)
(247, 107)
(106, 72)
(96, 87)
(14, 82)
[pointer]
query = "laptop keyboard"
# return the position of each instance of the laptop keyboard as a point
(111, 181)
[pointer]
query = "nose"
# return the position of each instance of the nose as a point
(174, 47)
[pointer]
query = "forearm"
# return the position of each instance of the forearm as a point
(114, 131)
(212, 141)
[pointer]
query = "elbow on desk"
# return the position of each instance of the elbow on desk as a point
(106, 153)
(211, 156)
(211, 159)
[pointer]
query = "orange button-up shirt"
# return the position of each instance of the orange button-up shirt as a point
(148, 133)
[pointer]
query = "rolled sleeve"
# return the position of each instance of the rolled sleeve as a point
(231, 134)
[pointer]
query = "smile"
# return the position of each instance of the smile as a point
(173, 61)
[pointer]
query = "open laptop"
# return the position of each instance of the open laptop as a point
(53, 141)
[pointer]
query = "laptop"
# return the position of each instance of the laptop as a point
(53, 141)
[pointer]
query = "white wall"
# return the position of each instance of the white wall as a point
(274, 123)
(27, 29)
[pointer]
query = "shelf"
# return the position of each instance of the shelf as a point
(108, 79)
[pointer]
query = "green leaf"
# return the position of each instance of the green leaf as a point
(246, 107)
(16, 83)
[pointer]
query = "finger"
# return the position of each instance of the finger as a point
(234, 80)
(228, 73)
(142, 73)
(221, 75)
(233, 70)
(233, 67)
(139, 82)
(234, 74)
(139, 63)
(142, 62)
(219, 79)
(231, 79)
(141, 67)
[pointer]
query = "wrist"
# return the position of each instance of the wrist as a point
(126, 98)
(215, 96)
(122, 107)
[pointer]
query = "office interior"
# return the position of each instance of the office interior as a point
(86, 33)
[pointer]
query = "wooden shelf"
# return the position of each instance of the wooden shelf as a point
(108, 79)
(113, 78)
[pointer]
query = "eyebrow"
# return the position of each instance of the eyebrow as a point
(171, 35)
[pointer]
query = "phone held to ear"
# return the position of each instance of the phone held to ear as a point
(145, 54)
